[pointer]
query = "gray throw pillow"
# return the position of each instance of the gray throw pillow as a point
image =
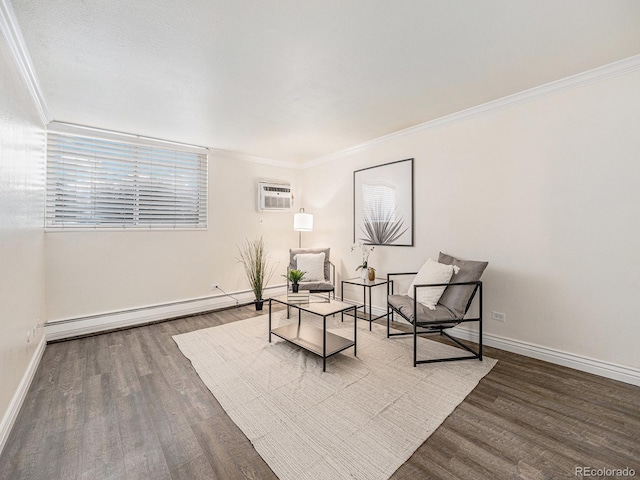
(456, 298)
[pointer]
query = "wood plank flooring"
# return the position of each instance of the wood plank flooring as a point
(129, 405)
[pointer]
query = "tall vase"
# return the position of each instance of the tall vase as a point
(364, 273)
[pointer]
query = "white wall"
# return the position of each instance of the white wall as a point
(547, 192)
(91, 273)
(22, 161)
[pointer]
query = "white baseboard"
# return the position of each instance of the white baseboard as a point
(11, 414)
(74, 327)
(109, 321)
(597, 367)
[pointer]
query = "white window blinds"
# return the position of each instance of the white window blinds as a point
(99, 179)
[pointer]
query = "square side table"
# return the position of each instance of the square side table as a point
(365, 284)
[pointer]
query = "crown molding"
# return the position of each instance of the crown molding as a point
(250, 158)
(598, 74)
(15, 41)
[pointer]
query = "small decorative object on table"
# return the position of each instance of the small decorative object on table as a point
(298, 298)
(372, 274)
(294, 276)
(366, 251)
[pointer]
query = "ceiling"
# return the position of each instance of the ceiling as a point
(293, 80)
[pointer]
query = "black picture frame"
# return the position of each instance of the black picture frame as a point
(383, 210)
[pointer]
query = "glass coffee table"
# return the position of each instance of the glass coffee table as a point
(314, 339)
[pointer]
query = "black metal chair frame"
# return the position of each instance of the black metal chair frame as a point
(436, 326)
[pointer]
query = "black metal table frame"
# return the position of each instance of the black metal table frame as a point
(324, 329)
(353, 281)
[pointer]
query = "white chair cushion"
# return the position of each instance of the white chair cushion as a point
(313, 266)
(432, 272)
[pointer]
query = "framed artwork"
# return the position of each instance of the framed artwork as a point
(383, 204)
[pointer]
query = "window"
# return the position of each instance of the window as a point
(101, 179)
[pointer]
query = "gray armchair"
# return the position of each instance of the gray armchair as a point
(325, 285)
(449, 311)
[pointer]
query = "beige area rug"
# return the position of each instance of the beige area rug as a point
(361, 419)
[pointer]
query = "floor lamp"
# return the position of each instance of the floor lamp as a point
(302, 222)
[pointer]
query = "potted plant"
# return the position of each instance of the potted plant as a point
(255, 259)
(366, 251)
(294, 276)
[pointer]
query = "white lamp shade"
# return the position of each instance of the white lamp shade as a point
(303, 222)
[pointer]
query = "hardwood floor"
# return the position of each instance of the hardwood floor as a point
(128, 404)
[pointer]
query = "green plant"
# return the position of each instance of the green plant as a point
(294, 276)
(255, 259)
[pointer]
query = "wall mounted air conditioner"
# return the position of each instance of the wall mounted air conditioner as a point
(274, 197)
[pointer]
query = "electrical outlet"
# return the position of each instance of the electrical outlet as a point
(500, 317)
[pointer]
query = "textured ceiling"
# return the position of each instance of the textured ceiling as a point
(294, 80)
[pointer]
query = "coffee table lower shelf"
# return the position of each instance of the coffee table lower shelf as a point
(313, 339)
(310, 338)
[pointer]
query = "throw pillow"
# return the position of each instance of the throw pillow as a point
(432, 272)
(327, 255)
(313, 266)
(456, 298)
